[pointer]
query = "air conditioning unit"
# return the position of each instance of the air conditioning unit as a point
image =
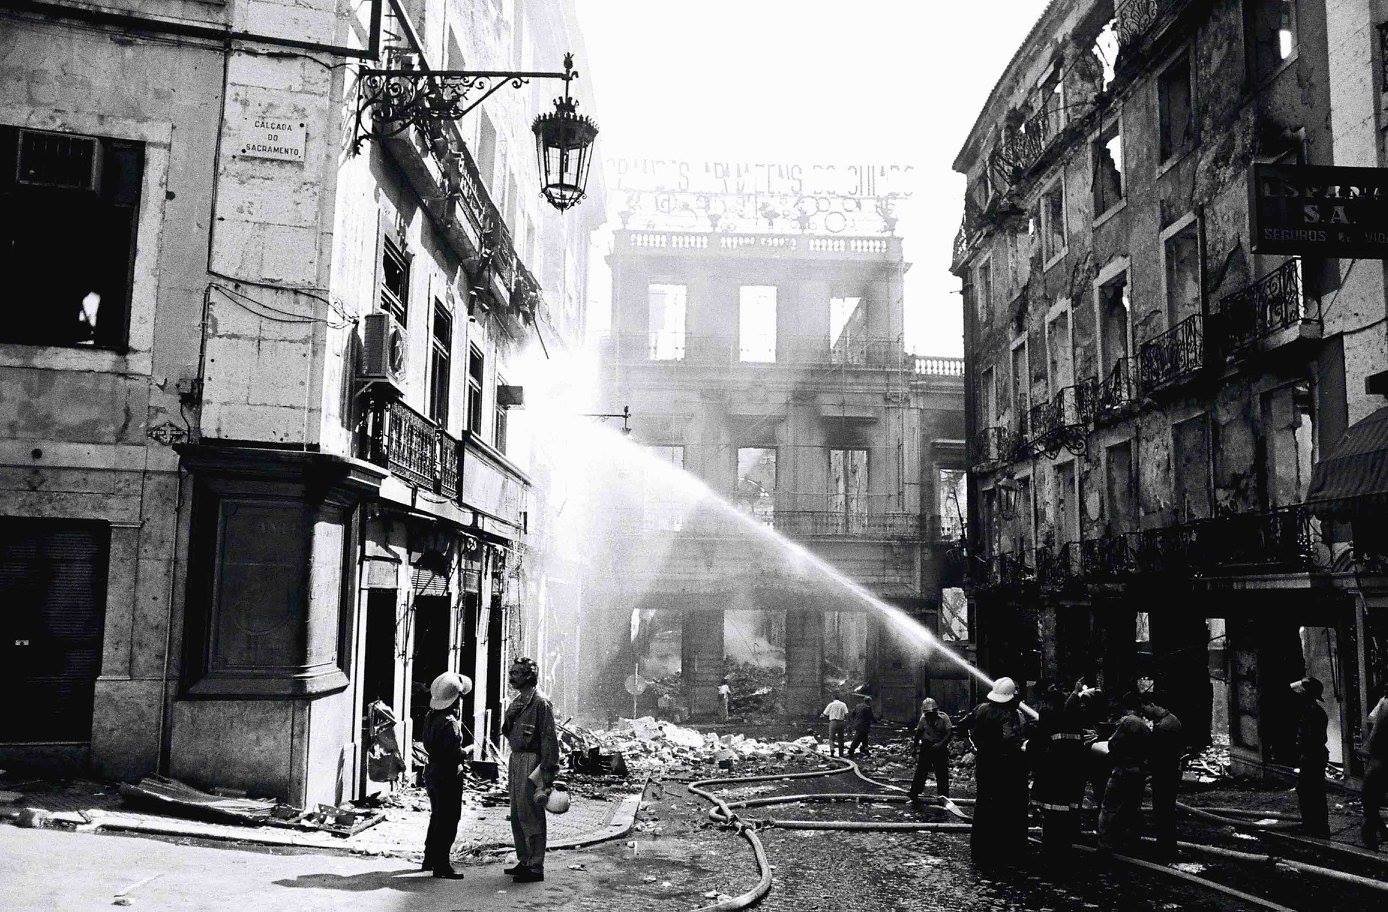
(383, 351)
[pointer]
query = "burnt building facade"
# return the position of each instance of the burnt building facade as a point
(1148, 397)
(771, 366)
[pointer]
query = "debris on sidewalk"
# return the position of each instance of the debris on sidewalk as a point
(172, 796)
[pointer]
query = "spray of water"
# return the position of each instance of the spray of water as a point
(596, 465)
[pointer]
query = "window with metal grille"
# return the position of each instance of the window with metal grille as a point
(71, 209)
(440, 362)
(395, 281)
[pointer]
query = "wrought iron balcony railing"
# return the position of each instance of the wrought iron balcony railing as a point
(1059, 423)
(1274, 303)
(1173, 357)
(992, 444)
(1060, 567)
(1110, 398)
(412, 447)
(1282, 540)
(1023, 146)
(1108, 557)
(1134, 18)
(848, 524)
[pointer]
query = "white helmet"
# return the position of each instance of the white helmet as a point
(558, 800)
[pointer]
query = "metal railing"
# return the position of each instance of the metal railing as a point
(1174, 356)
(1271, 304)
(848, 524)
(1109, 398)
(412, 447)
(869, 354)
(1060, 423)
(1109, 556)
(768, 243)
(1023, 146)
(1284, 539)
(991, 444)
(1059, 567)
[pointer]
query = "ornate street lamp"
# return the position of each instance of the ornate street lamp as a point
(563, 148)
(389, 102)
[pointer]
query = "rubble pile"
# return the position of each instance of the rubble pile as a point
(662, 748)
(1209, 766)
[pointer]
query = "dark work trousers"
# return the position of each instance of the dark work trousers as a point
(999, 833)
(931, 760)
(1060, 827)
(836, 727)
(1166, 778)
(445, 807)
(1375, 783)
(1121, 813)
(1310, 795)
(859, 743)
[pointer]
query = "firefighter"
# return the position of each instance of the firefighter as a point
(444, 741)
(997, 730)
(1168, 747)
(1058, 756)
(1312, 756)
(933, 733)
(861, 721)
(529, 729)
(1128, 751)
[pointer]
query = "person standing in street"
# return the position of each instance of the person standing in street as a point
(1371, 830)
(1311, 756)
(837, 713)
(933, 733)
(1057, 751)
(861, 722)
(998, 732)
(444, 741)
(529, 729)
(725, 698)
(1128, 749)
(1168, 747)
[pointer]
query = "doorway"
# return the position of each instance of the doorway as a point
(430, 656)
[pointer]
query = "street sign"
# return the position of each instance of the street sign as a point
(636, 685)
(1319, 211)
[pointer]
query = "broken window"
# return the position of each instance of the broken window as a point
(665, 320)
(1288, 432)
(1175, 108)
(952, 493)
(1052, 222)
(1058, 356)
(847, 331)
(1115, 322)
(848, 479)
(983, 290)
(756, 481)
(756, 323)
(1107, 151)
(1182, 253)
(1022, 522)
(395, 281)
(1105, 51)
(1272, 34)
(1120, 488)
(440, 362)
(1190, 445)
(1067, 504)
(474, 389)
(1021, 386)
(67, 242)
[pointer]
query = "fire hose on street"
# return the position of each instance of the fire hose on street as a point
(723, 813)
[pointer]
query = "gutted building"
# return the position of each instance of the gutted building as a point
(1147, 396)
(771, 367)
(257, 487)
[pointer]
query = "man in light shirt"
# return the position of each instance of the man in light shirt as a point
(836, 712)
(725, 697)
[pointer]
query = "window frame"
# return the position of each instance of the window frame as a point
(1189, 220)
(1043, 222)
(742, 351)
(983, 278)
(653, 343)
(397, 304)
(475, 386)
(1095, 144)
(1101, 281)
(440, 350)
(1183, 57)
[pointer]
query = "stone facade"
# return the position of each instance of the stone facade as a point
(1147, 396)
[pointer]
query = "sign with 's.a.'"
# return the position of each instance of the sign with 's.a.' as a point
(273, 137)
(1320, 211)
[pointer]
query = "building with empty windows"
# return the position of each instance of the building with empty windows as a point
(1148, 397)
(771, 367)
(257, 487)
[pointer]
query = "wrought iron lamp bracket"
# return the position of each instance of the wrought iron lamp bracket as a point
(390, 101)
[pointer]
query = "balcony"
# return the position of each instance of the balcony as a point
(1109, 557)
(1022, 147)
(1269, 314)
(412, 447)
(845, 524)
(1005, 570)
(1059, 423)
(934, 366)
(1173, 358)
(991, 445)
(1281, 540)
(1136, 20)
(1059, 568)
(721, 244)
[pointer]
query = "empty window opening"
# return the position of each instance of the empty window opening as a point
(1058, 356)
(474, 389)
(983, 290)
(1108, 168)
(756, 481)
(988, 398)
(1115, 322)
(1067, 504)
(500, 419)
(1190, 443)
(1105, 51)
(1272, 30)
(1119, 486)
(1182, 254)
(1052, 222)
(667, 307)
(67, 243)
(440, 362)
(395, 281)
(848, 481)
(1175, 108)
(756, 323)
(952, 497)
(847, 331)
(1021, 385)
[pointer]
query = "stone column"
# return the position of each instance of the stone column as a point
(804, 662)
(701, 661)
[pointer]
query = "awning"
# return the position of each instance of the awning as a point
(1353, 474)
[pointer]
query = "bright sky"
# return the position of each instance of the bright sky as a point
(814, 81)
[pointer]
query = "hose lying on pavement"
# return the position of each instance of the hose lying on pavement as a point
(1274, 823)
(1300, 866)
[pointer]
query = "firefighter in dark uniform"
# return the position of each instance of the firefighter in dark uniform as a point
(1168, 748)
(443, 739)
(1128, 751)
(997, 730)
(1312, 755)
(1057, 750)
